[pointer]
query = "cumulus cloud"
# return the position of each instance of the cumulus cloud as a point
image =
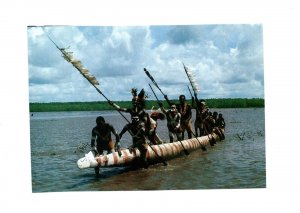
(227, 61)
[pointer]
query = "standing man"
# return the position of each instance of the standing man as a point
(101, 138)
(201, 115)
(185, 111)
(138, 132)
(173, 122)
(220, 121)
(138, 104)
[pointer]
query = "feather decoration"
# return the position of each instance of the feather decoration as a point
(192, 79)
(68, 56)
(134, 92)
(143, 95)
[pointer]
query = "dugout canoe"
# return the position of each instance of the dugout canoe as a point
(166, 151)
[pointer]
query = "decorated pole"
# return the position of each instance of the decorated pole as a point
(68, 56)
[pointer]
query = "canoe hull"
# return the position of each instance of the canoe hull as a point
(165, 151)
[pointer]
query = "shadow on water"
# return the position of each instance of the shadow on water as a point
(105, 173)
(122, 178)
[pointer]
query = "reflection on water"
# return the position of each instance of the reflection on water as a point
(236, 162)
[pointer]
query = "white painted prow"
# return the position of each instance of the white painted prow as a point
(88, 161)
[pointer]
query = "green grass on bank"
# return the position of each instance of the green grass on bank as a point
(103, 105)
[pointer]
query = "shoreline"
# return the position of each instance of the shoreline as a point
(103, 105)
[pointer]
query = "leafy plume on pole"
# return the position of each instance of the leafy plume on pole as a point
(192, 79)
(68, 56)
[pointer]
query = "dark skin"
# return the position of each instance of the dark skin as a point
(186, 114)
(171, 114)
(137, 131)
(103, 132)
(101, 137)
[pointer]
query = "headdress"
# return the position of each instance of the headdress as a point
(134, 92)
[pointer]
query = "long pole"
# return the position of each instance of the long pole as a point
(197, 101)
(154, 82)
(92, 80)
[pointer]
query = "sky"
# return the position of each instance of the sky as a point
(227, 61)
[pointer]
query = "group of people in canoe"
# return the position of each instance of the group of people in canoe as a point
(143, 125)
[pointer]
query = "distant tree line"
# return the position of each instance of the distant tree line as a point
(103, 105)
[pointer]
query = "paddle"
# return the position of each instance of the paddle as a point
(184, 150)
(159, 157)
(154, 82)
(166, 97)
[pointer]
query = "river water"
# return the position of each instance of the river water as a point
(59, 139)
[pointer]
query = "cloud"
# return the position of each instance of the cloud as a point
(184, 34)
(226, 59)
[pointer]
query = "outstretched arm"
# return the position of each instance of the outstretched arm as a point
(118, 107)
(115, 134)
(117, 146)
(123, 131)
(93, 139)
(93, 142)
(162, 107)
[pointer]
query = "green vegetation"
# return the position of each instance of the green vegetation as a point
(235, 103)
(103, 105)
